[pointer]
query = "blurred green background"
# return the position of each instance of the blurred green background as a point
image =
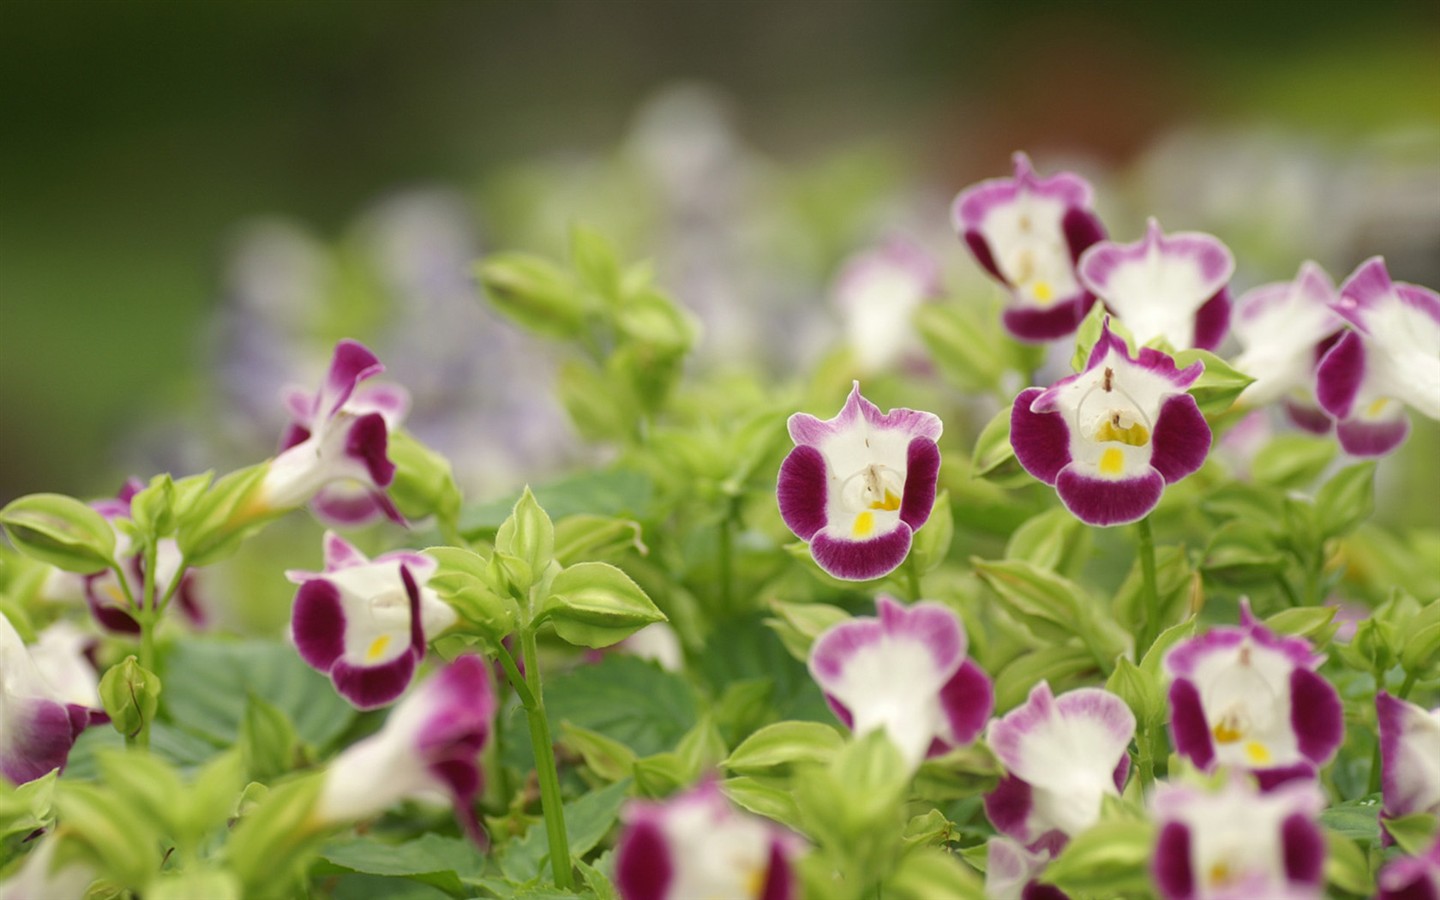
(135, 135)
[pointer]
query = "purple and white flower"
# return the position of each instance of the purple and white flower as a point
(877, 293)
(858, 486)
(1011, 872)
(1061, 755)
(697, 845)
(334, 451)
(1285, 329)
(1409, 756)
(42, 875)
(39, 721)
(904, 673)
(1390, 360)
(1028, 232)
(366, 623)
(1171, 286)
(430, 746)
(1110, 438)
(1412, 877)
(1247, 698)
(1239, 843)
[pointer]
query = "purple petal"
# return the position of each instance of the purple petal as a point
(1316, 715)
(1189, 730)
(1181, 439)
(1156, 361)
(807, 429)
(922, 472)
(978, 201)
(293, 434)
(371, 687)
(862, 560)
(1041, 440)
(1082, 231)
(981, 251)
(317, 624)
(351, 364)
(1268, 780)
(111, 618)
(1008, 808)
(1303, 849)
(367, 442)
(926, 624)
(967, 700)
(1310, 418)
(1212, 321)
(341, 504)
(1103, 501)
(1339, 375)
(780, 878)
(644, 867)
(38, 736)
(1365, 438)
(1037, 325)
(801, 490)
(341, 554)
(1171, 867)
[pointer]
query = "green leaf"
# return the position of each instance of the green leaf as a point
(1414, 833)
(1052, 607)
(1218, 386)
(430, 859)
(584, 537)
(464, 580)
(783, 743)
(529, 534)
(587, 820)
(932, 541)
(959, 773)
(1293, 461)
(277, 837)
(27, 807)
(123, 842)
(151, 509)
(965, 343)
(1421, 652)
(1063, 665)
(1054, 540)
(268, 743)
(1180, 588)
(195, 881)
(929, 873)
(1141, 691)
(1312, 622)
(1108, 859)
(1354, 819)
(768, 797)
(606, 757)
(1088, 335)
(630, 700)
(994, 456)
(596, 262)
(594, 604)
(221, 677)
(424, 483)
(799, 624)
(1346, 866)
(536, 294)
(221, 518)
(608, 492)
(1346, 500)
(61, 531)
(1243, 553)
(601, 409)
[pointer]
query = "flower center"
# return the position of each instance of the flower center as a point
(1248, 693)
(874, 487)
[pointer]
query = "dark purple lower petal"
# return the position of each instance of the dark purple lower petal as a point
(38, 738)
(1189, 731)
(643, 864)
(1316, 715)
(1036, 325)
(779, 877)
(1041, 440)
(1103, 502)
(371, 687)
(801, 490)
(1338, 377)
(465, 780)
(1212, 321)
(367, 442)
(1008, 808)
(981, 251)
(1082, 228)
(1181, 439)
(317, 624)
(1372, 438)
(339, 504)
(1171, 867)
(922, 472)
(1303, 847)
(1037, 891)
(862, 560)
(1121, 773)
(1310, 418)
(1270, 779)
(189, 602)
(967, 700)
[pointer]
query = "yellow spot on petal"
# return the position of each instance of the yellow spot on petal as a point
(1257, 753)
(1134, 435)
(1219, 874)
(1112, 461)
(891, 501)
(864, 524)
(1225, 733)
(755, 881)
(377, 648)
(1043, 292)
(1378, 406)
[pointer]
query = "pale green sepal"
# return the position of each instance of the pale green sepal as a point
(221, 518)
(534, 293)
(463, 579)
(61, 531)
(932, 541)
(606, 757)
(1346, 866)
(1346, 500)
(1414, 833)
(210, 883)
(424, 483)
(528, 534)
(278, 837)
(131, 695)
(1108, 859)
(585, 537)
(783, 743)
(1217, 387)
(594, 604)
(125, 844)
(27, 807)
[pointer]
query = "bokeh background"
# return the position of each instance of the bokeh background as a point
(180, 182)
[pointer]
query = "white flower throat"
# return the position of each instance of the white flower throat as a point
(874, 488)
(1114, 417)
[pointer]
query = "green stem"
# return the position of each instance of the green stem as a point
(1406, 686)
(726, 552)
(545, 769)
(1151, 629)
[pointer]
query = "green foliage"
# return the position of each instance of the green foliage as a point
(60, 531)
